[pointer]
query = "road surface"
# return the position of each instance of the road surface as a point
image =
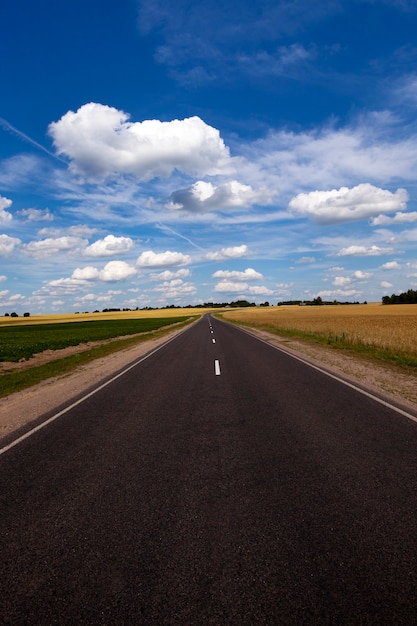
(218, 481)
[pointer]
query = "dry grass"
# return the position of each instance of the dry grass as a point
(387, 331)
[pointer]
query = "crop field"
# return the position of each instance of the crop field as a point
(384, 331)
(99, 316)
(22, 340)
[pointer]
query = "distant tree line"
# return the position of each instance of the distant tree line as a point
(407, 297)
(315, 302)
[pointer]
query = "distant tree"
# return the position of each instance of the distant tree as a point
(7, 315)
(317, 301)
(26, 314)
(14, 314)
(406, 297)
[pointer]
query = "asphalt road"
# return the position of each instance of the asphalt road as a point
(219, 481)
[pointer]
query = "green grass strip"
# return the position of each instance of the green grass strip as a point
(11, 382)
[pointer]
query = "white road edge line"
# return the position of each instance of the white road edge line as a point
(88, 395)
(217, 367)
(340, 380)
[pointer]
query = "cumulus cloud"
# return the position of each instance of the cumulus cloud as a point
(391, 265)
(338, 293)
(233, 252)
(109, 246)
(162, 259)
(347, 205)
(37, 215)
(228, 286)
(8, 244)
(260, 290)
(176, 289)
(117, 270)
(231, 286)
(50, 246)
(341, 281)
(204, 196)
(364, 251)
(248, 274)
(100, 141)
(398, 218)
(112, 272)
(170, 275)
(5, 216)
(356, 277)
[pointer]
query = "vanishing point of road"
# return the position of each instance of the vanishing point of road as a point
(217, 481)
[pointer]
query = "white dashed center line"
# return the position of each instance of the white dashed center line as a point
(213, 340)
(217, 367)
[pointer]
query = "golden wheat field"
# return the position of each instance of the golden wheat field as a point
(109, 315)
(390, 328)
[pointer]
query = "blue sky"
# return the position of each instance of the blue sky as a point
(157, 152)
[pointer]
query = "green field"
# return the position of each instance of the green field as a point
(21, 342)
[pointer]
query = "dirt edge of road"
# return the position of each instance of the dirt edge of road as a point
(19, 409)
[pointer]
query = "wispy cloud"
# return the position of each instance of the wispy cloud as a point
(9, 127)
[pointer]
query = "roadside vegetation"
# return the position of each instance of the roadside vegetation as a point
(387, 333)
(23, 341)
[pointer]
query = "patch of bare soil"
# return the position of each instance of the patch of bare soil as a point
(18, 409)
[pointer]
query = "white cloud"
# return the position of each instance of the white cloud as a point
(8, 244)
(399, 218)
(111, 272)
(386, 285)
(259, 290)
(162, 259)
(175, 289)
(101, 141)
(50, 246)
(233, 252)
(355, 277)
(341, 281)
(330, 157)
(3, 278)
(117, 270)
(5, 216)
(346, 205)
(228, 286)
(360, 275)
(364, 251)
(86, 273)
(248, 274)
(109, 246)
(203, 196)
(391, 265)
(78, 230)
(169, 275)
(231, 286)
(338, 293)
(37, 215)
